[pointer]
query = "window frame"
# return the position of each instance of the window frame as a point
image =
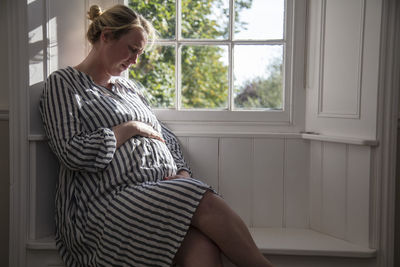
(293, 43)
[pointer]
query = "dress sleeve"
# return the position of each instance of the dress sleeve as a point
(175, 149)
(75, 148)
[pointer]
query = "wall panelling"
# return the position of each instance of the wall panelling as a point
(340, 178)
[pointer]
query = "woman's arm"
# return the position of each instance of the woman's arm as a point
(75, 148)
(179, 174)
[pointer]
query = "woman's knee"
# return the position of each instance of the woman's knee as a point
(198, 250)
(210, 209)
(208, 203)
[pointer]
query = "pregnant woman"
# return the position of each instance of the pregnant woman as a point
(125, 195)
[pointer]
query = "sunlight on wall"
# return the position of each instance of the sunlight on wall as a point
(36, 55)
(52, 58)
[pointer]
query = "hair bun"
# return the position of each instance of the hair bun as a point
(94, 12)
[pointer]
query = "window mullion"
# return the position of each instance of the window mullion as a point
(231, 19)
(260, 42)
(230, 79)
(178, 81)
(230, 54)
(178, 25)
(178, 34)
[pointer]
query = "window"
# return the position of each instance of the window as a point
(219, 60)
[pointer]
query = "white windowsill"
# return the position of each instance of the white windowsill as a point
(340, 139)
(237, 134)
(276, 241)
(306, 242)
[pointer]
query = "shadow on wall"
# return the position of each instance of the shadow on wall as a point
(397, 205)
(4, 140)
(56, 39)
(56, 36)
(4, 192)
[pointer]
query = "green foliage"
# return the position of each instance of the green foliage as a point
(161, 13)
(156, 68)
(197, 22)
(204, 74)
(156, 71)
(262, 93)
(205, 79)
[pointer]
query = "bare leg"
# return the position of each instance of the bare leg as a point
(220, 223)
(197, 250)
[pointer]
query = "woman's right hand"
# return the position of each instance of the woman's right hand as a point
(128, 129)
(145, 130)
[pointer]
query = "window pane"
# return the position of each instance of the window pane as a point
(258, 76)
(156, 71)
(262, 20)
(161, 13)
(204, 76)
(205, 19)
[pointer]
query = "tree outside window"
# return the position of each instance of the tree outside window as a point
(198, 63)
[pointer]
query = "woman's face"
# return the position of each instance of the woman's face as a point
(123, 52)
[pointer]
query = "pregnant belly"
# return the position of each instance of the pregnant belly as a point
(156, 155)
(139, 160)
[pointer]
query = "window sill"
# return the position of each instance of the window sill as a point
(245, 134)
(276, 241)
(340, 139)
(306, 242)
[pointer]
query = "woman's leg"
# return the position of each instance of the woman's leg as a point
(221, 224)
(197, 250)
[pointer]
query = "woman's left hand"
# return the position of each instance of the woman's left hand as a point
(180, 174)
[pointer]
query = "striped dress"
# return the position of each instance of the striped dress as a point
(113, 207)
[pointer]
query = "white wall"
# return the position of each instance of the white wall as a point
(4, 59)
(4, 140)
(342, 89)
(340, 177)
(4, 192)
(56, 37)
(397, 207)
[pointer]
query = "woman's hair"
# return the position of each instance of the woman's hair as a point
(119, 19)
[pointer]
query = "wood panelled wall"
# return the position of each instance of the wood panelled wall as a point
(340, 178)
(280, 181)
(4, 138)
(397, 205)
(265, 180)
(4, 191)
